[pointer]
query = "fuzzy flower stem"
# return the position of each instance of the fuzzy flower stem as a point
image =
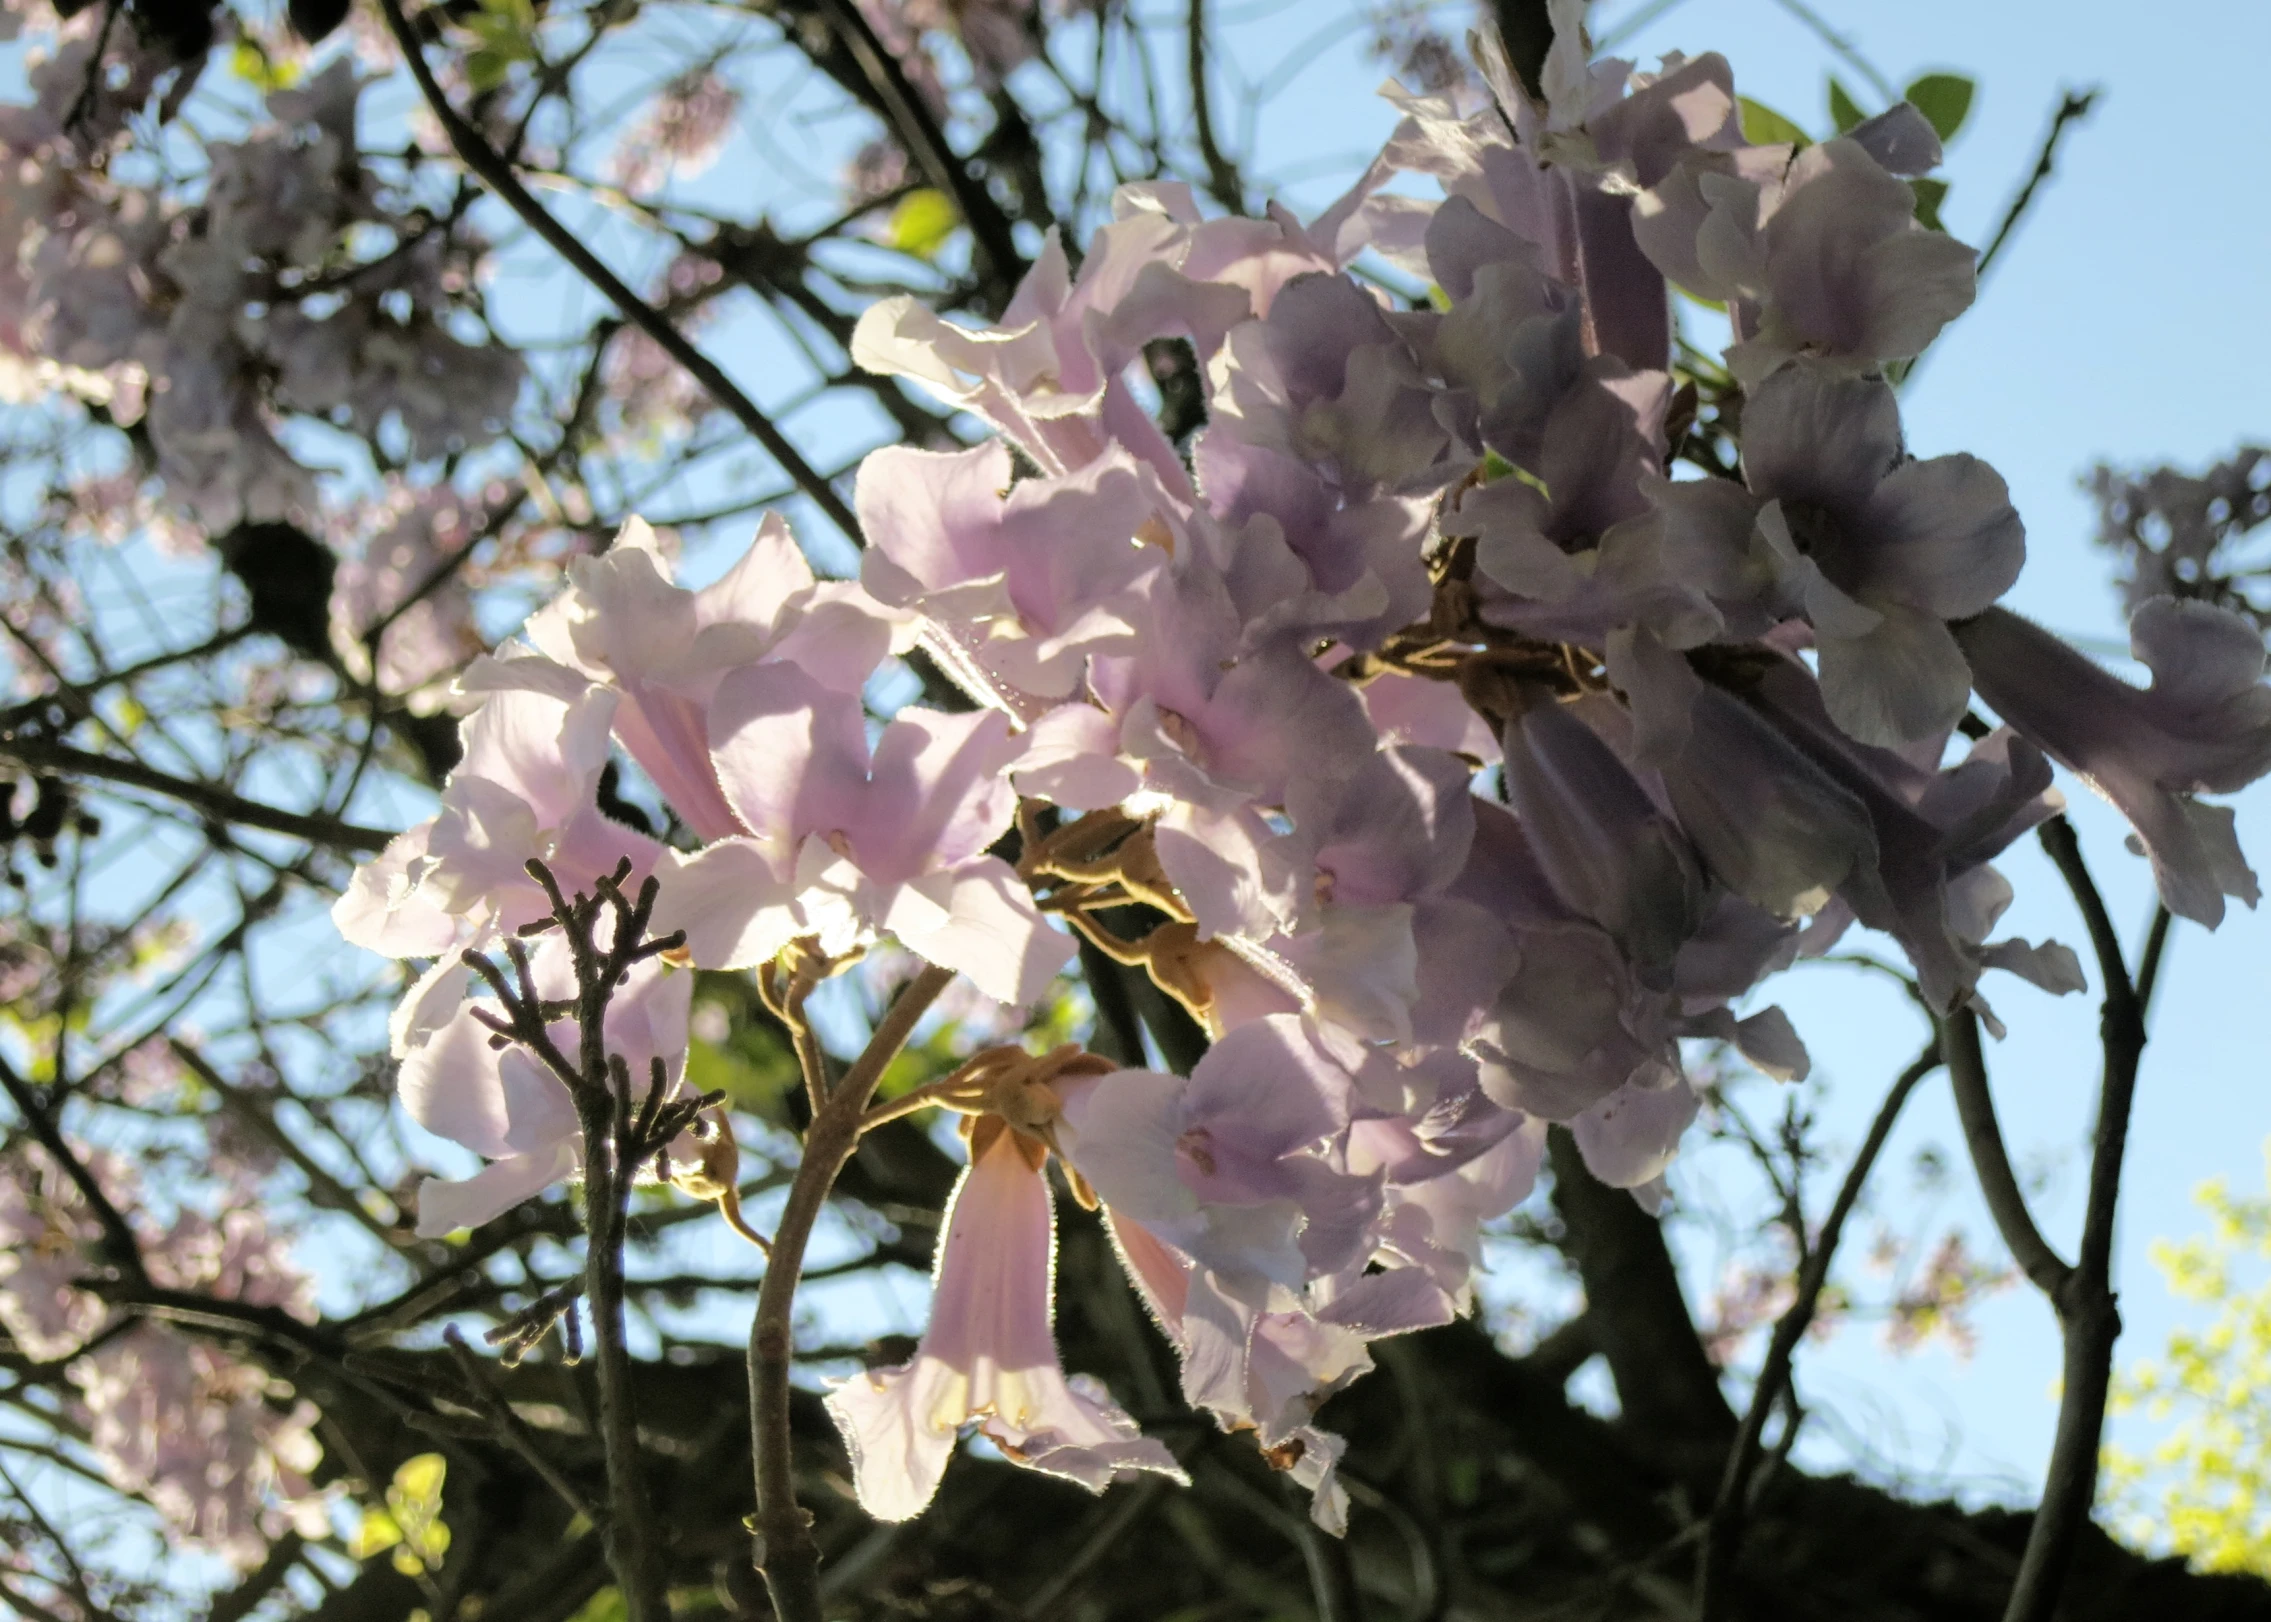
(786, 1553)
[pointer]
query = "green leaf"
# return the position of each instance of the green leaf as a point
(250, 61)
(751, 1079)
(608, 1605)
(1944, 99)
(1929, 195)
(1763, 126)
(922, 222)
(505, 33)
(485, 70)
(1844, 111)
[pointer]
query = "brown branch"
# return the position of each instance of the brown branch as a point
(35, 753)
(617, 1140)
(926, 143)
(2149, 962)
(496, 171)
(1983, 1138)
(1724, 1538)
(1666, 1385)
(513, 1431)
(1222, 174)
(786, 1552)
(2088, 1319)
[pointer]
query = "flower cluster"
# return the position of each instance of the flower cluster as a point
(218, 1448)
(1459, 761)
(204, 320)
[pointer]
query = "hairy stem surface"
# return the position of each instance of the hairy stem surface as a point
(786, 1553)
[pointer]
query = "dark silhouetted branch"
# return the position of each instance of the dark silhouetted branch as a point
(926, 144)
(2088, 1317)
(1222, 174)
(40, 754)
(496, 171)
(1724, 1538)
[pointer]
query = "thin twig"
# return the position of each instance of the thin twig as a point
(513, 1431)
(926, 144)
(495, 170)
(41, 754)
(2073, 105)
(1221, 172)
(1724, 1539)
(2149, 961)
(786, 1553)
(617, 1142)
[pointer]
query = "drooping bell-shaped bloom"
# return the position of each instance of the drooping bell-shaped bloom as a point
(2203, 726)
(1328, 379)
(1769, 824)
(1299, 557)
(1359, 874)
(1230, 1165)
(1927, 828)
(988, 1358)
(1265, 1371)
(506, 1105)
(845, 840)
(1449, 1168)
(1050, 376)
(1610, 855)
(1210, 732)
(1877, 551)
(1512, 342)
(1586, 554)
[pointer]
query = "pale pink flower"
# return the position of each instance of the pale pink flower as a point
(989, 1357)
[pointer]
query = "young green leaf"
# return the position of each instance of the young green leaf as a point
(1929, 195)
(1844, 111)
(1763, 126)
(922, 222)
(1944, 99)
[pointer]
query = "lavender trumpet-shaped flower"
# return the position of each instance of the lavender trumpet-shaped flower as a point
(988, 1358)
(2202, 727)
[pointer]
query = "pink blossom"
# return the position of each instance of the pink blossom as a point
(988, 1358)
